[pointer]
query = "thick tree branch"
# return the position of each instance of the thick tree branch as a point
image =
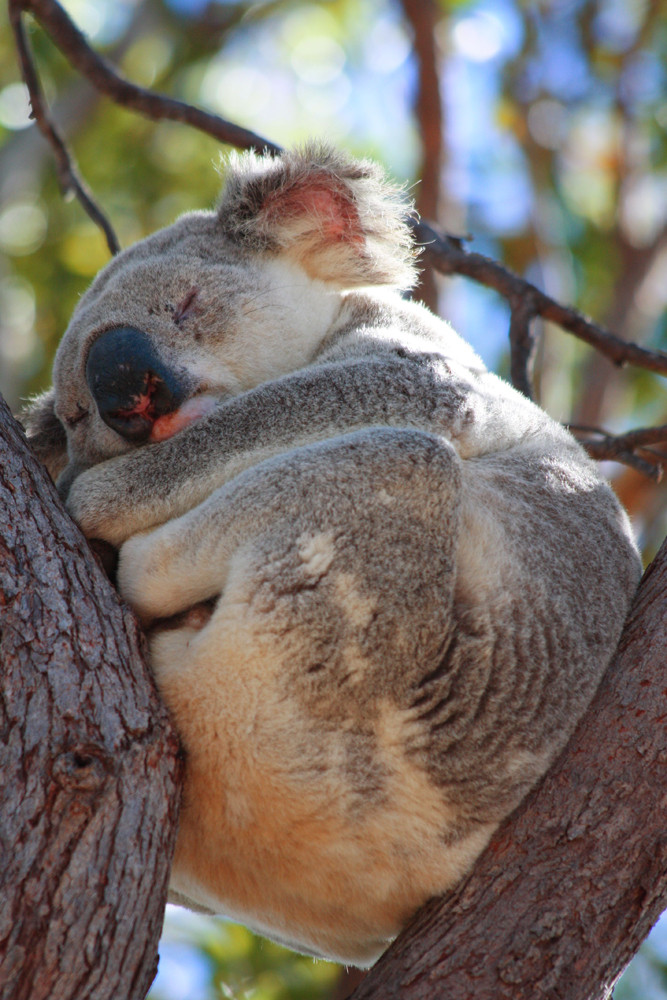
(89, 764)
(573, 881)
(89, 774)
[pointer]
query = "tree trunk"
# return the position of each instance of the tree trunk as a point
(422, 16)
(89, 764)
(575, 878)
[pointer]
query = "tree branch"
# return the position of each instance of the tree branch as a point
(630, 448)
(68, 173)
(523, 343)
(73, 45)
(158, 107)
(422, 16)
(448, 255)
(90, 770)
(580, 868)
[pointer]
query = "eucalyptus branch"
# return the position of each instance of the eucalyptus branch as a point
(523, 343)
(448, 255)
(632, 448)
(68, 173)
(158, 107)
(73, 45)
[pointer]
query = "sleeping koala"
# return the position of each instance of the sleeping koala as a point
(380, 586)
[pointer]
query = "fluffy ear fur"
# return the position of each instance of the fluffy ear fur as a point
(339, 218)
(46, 435)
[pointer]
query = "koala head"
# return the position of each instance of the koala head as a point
(219, 302)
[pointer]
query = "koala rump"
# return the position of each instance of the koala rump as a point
(392, 583)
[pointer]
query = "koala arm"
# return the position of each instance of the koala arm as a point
(311, 495)
(155, 483)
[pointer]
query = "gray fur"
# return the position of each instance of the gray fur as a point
(418, 577)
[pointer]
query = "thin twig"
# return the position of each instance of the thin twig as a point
(68, 174)
(631, 448)
(71, 42)
(105, 79)
(523, 344)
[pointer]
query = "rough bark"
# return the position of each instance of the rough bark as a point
(573, 881)
(89, 764)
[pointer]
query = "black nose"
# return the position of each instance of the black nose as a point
(131, 385)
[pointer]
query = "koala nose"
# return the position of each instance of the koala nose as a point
(131, 385)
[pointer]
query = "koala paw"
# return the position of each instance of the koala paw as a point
(138, 578)
(92, 501)
(144, 578)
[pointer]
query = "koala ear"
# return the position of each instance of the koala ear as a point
(338, 218)
(46, 435)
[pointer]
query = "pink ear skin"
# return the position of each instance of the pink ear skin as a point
(328, 210)
(315, 222)
(340, 220)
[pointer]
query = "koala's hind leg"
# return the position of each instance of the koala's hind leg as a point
(305, 814)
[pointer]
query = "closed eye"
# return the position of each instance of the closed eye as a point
(82, 411)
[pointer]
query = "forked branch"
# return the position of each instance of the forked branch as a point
(449, 255)
(632, 448)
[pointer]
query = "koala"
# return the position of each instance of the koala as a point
(380, 586)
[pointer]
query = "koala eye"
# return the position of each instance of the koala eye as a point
(131, 384)
(81, 414)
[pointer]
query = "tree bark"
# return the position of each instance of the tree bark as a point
(575, 878)
(90, 769)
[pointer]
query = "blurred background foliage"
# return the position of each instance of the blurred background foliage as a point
(543, 134)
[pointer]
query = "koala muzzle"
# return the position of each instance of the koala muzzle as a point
(131, 385)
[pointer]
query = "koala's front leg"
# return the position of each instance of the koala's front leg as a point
(158, 482)
(185, 561)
